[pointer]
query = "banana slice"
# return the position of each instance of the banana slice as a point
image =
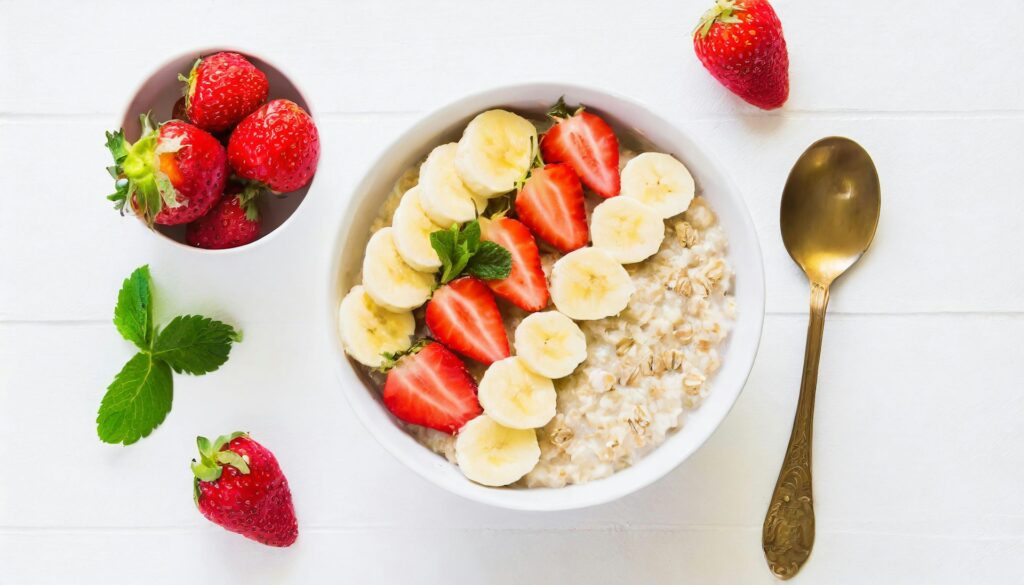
(368, 329)
(494, 455)
(660, 181)
(412, 233)
(495, 151)
(550, 343)
(589, 284)
(443, 195)
(389, 281)
(516, 397)
(627, 229)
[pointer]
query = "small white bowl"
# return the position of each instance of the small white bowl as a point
(158, 93)
(713, 182)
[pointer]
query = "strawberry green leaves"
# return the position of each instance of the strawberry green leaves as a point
(461, 250)
(118, 147)
(213, 456)
(723, 11)
(139, 398)
(138, 181)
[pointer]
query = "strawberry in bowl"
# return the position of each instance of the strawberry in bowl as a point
(173, 174)
(234, 221)
(276, 147)
(221, 90)
(593, 322)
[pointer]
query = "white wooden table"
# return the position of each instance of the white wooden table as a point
(919, 454)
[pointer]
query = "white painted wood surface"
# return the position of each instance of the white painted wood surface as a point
(919, 454)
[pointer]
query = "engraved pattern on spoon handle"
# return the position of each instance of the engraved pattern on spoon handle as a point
(788, 534)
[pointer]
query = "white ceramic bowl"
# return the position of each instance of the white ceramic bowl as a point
(159, 92)
(713, 182)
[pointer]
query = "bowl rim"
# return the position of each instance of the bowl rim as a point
(206, 51)
(397, 443)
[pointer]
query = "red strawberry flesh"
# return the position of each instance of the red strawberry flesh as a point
(586, 143)
(551, 204)
(464, 316)
(525, 286)
(432, 388)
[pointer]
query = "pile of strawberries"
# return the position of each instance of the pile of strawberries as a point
(225, 147)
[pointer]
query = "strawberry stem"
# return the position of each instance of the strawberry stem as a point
(536, 162)
(723, 11)
(212, 459)
(138, 179)
(249, 198)
(391, 358)
(560, 110)
(190, 83)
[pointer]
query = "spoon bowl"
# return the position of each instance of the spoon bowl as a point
(830, 208)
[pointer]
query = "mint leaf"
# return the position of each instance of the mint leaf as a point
(470, 234)
(462, 255)
(194, 344)
(456, 248)
(133, 315)
(443, 242)
(490, 262)
(136, 402)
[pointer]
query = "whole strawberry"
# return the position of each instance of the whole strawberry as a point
(740, 43)
(239, 485)
(173, 174)
(277, 146)
(234, 221)
(222, 89)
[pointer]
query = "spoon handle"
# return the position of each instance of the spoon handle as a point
(789, 525)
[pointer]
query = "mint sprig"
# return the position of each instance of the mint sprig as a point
(139, 398)
(460, 250)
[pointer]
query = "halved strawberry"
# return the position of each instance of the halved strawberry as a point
(551, 205)
(432, 388)
(586, 143)
(525, 286)
(464, 316)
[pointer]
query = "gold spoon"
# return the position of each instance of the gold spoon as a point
(829, 213)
